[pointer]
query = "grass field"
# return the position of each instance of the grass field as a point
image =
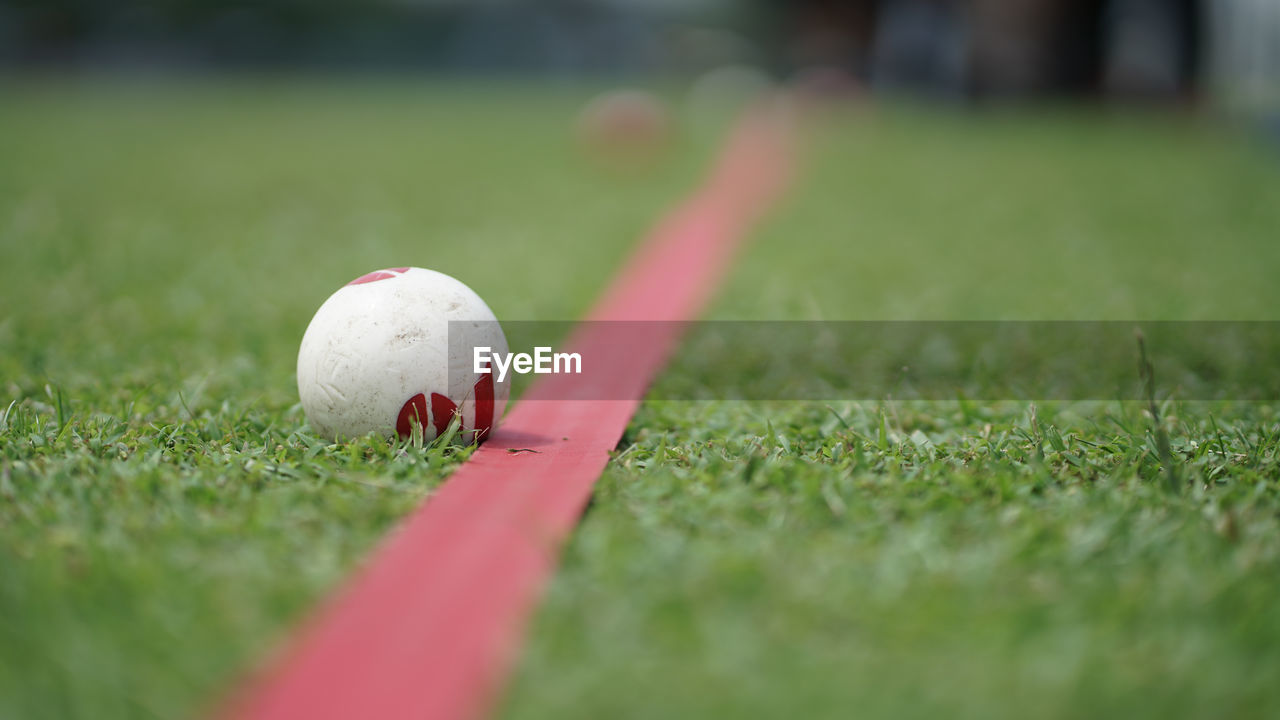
(165, 513)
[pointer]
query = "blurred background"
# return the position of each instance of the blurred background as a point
(1166, 50)
(183, 182)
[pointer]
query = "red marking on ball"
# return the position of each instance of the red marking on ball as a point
(414, 411)
(379, 275)
(442, 411)
(484, 406)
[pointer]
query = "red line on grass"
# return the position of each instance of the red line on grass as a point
(429, 626)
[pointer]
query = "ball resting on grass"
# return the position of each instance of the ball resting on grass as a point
(377, 357)
(624, 129)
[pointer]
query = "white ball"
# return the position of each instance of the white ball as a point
(624, 124)
(377, 357)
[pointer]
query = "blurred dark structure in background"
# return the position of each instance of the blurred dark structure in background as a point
(578, 36)
(1147, 48)
(1153, 49)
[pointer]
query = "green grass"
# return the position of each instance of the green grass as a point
(774, 563)
(997, 560)
(165, 512)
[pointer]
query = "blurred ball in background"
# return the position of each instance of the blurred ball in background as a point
(827, 85)
(626, 129)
